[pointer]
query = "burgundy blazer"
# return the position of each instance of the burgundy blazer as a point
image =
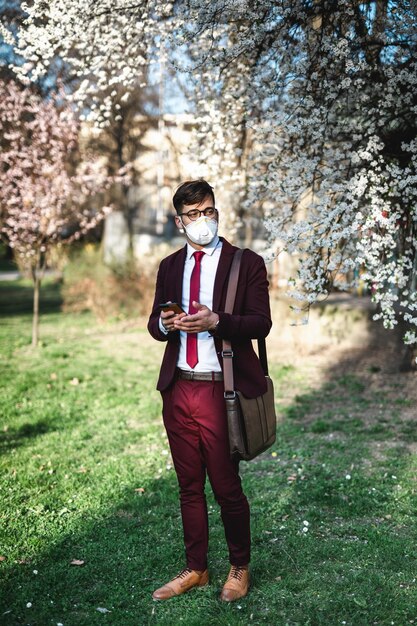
(251, 317)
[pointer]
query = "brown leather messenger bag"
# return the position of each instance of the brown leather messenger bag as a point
(251, 421)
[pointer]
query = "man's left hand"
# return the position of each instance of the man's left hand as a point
(203, 320)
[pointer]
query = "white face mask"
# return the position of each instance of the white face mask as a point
(202, 231)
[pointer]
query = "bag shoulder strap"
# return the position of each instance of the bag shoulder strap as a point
(262, 355)
(233, 280)
(227, 346)
(227, 353)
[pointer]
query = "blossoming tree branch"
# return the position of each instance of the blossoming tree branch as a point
(43, 203)
(326, 94)
(309, 108)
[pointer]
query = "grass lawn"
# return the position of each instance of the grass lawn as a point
(86, 476)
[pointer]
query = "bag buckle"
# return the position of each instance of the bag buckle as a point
(227, 354)
(229, 395)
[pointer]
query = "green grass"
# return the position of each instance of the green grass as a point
(86, 474)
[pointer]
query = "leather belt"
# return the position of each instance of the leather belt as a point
(199, 376)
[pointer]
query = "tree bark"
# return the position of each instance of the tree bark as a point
(120, 137)
(407, 353)
(37, 277)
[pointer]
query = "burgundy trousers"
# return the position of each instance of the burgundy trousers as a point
(194, 414)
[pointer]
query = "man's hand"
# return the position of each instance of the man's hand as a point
(203, 320)
(168, 318)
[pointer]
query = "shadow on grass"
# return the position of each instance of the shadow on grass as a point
(16, 297)
(388, 344)
(11, 438)
(341, 468)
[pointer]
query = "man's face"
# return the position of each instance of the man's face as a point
(191, 212)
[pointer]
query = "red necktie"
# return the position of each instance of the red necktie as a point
(192, 354)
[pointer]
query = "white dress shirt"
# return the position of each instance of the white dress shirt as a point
(207, 355)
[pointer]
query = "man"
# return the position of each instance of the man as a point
(190, 380)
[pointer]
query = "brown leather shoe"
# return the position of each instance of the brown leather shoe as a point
(184, 581)
(236, 585)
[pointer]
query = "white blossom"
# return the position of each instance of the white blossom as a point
(306, 112)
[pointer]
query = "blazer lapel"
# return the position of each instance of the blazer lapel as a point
(223, 268)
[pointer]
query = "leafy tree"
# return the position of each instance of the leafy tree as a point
(45, 199)
(120, 141)
(309, 107)
(326, 91)
(107, 46)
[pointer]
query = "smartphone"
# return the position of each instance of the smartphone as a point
(172, 306)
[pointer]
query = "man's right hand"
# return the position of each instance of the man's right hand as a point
(168, 318)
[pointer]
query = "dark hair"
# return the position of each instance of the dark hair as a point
(192, 192)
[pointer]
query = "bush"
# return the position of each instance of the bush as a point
(108, 291)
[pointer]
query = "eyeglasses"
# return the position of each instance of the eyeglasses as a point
(194, 214)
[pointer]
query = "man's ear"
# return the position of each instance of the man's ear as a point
(178, 224)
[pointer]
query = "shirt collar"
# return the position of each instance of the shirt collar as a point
(208, 249)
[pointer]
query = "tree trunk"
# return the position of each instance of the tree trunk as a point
(408, 360)
(407, 353)
(127, 211)
(37, 276)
